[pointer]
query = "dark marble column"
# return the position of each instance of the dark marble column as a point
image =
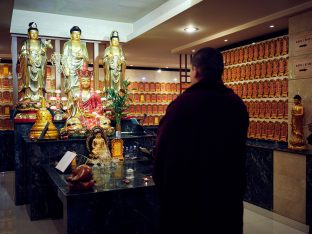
(20, 130)
(6, 151)
(38, 154)
(259, 172)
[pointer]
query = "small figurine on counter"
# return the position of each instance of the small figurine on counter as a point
(297, 112)
(97, 145)
(81, 178)
(99, 149)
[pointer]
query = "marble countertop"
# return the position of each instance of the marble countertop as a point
(279, 146)
(107, 179)
(123, 136)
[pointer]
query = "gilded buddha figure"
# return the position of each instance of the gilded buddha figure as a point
(114, 64)
(297, 114)
(86, 111)
(90, 102)
(97, 145)
(33, 64)
(74, 58)
(100, 150)
(91, 106)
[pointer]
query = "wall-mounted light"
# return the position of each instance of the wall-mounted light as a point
(159, 70)
(193, 51)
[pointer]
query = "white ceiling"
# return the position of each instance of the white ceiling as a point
(160, 36)
(126, 11)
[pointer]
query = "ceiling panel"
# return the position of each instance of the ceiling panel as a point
(153, 48)
(115, 10)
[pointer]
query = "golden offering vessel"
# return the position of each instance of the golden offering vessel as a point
(43, 117)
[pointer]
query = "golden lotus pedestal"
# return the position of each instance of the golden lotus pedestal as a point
(43, 117)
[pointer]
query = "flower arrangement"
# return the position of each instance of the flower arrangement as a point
(119, 102)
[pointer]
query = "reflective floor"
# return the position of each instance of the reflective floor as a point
(14, 219)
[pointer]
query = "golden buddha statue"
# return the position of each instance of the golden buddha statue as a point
(100, 150)
(43, 124)
(97, 145)
(297, 112)
(74, 58)
(33, 65)
(114, 64)
(91, 106)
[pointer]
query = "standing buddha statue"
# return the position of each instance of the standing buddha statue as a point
(74, 58)
(114, 64)
(297, 112)
(33, 65)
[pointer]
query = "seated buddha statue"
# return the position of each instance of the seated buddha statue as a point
(100, 150)
(90, 105)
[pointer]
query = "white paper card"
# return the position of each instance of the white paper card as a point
(65, 161)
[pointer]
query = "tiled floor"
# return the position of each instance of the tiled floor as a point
(14, 219)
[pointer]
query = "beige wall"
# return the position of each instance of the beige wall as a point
(289, 185)
(152, 76)
(300, 84)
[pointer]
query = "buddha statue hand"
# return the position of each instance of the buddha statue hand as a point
(89, 115)
(48, 44)
(66, 72)
(79, 55)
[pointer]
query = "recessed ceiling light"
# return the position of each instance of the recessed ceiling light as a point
(175, 79)
(131, 65)
(167, 67)
(253, 43)
(225, 40)
(272, 26)
(159, 70)
(191, 29)
(143, 78)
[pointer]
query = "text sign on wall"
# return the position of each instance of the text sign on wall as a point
(303, 67)
(303, 42)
